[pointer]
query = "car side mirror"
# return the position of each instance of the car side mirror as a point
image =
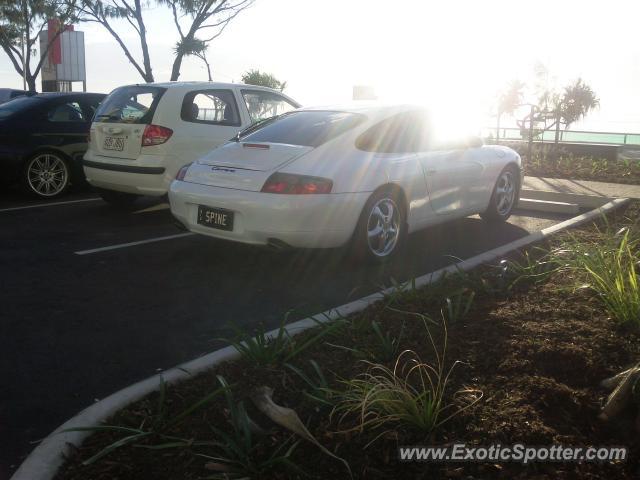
(474, 142)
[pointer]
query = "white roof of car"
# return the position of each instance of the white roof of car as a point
(195, 84)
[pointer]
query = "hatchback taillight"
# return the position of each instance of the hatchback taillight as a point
(286, 183)
(155, 135)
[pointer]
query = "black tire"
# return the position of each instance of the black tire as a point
(379, 248)
(46, 175)
(120, 200)
(502, 202)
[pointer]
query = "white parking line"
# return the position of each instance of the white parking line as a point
(132, 244)
(52, 204)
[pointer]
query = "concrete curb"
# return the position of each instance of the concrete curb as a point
(46, 458)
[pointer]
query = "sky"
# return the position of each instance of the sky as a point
(454, 56)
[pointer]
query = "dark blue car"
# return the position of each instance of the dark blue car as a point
(43, 138)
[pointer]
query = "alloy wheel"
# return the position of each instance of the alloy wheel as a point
(505, 193)
(383, 227)
(47, 175)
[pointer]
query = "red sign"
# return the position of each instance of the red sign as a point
(55, 49)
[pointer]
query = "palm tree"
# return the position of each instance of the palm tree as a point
(578, 100)
(196, 47)
(508, 101)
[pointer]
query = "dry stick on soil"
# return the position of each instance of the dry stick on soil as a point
(621, 396)
(287, 418)
(613, 382)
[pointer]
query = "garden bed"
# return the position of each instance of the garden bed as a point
(572, 166)
(532, 350)
(586, 168)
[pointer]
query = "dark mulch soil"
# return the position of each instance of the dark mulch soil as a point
(536, 353)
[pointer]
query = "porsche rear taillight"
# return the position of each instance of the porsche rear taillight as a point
(289, 184)
(155, 135)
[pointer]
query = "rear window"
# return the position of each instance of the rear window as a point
(134, 104)
(307, 128)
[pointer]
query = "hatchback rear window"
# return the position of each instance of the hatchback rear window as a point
(305, 128)
(133, 104)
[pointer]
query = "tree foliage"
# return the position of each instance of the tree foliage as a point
(508, 101)
(21, 22)
(560, 109)
(263, 79)
(511, 97)
(553, 108)
(104, 12)
(198, 23)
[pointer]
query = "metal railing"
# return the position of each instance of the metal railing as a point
(566, 136)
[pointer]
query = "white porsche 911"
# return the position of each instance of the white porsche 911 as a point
(323, 177)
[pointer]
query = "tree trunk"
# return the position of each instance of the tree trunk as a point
(498, 129)
(177, 64)
(31, 83)
(146, 60)
(204, 59)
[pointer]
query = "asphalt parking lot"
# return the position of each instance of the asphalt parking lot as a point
(94, 299)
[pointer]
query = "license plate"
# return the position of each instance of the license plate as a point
(215, 218)
(113, 143)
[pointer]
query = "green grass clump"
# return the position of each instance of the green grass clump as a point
(608, 265)
(263, 349)
(413, 393)
(236, 453)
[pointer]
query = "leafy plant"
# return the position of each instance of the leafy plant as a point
(609, 267)
(385, 345)
(260, 348)
(413, 393)
(154, 428)
(400, 292)
(263, 349)
(236, 453)
(534, 266)
(459, 304)
(320, 392)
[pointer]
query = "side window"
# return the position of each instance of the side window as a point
(66, 112)
(91, 107)
(402, 133)
(262, 104)
(214, 107)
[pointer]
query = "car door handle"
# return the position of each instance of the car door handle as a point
(431, 172)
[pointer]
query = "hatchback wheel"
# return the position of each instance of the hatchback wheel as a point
(381, 230)
(46, 175)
